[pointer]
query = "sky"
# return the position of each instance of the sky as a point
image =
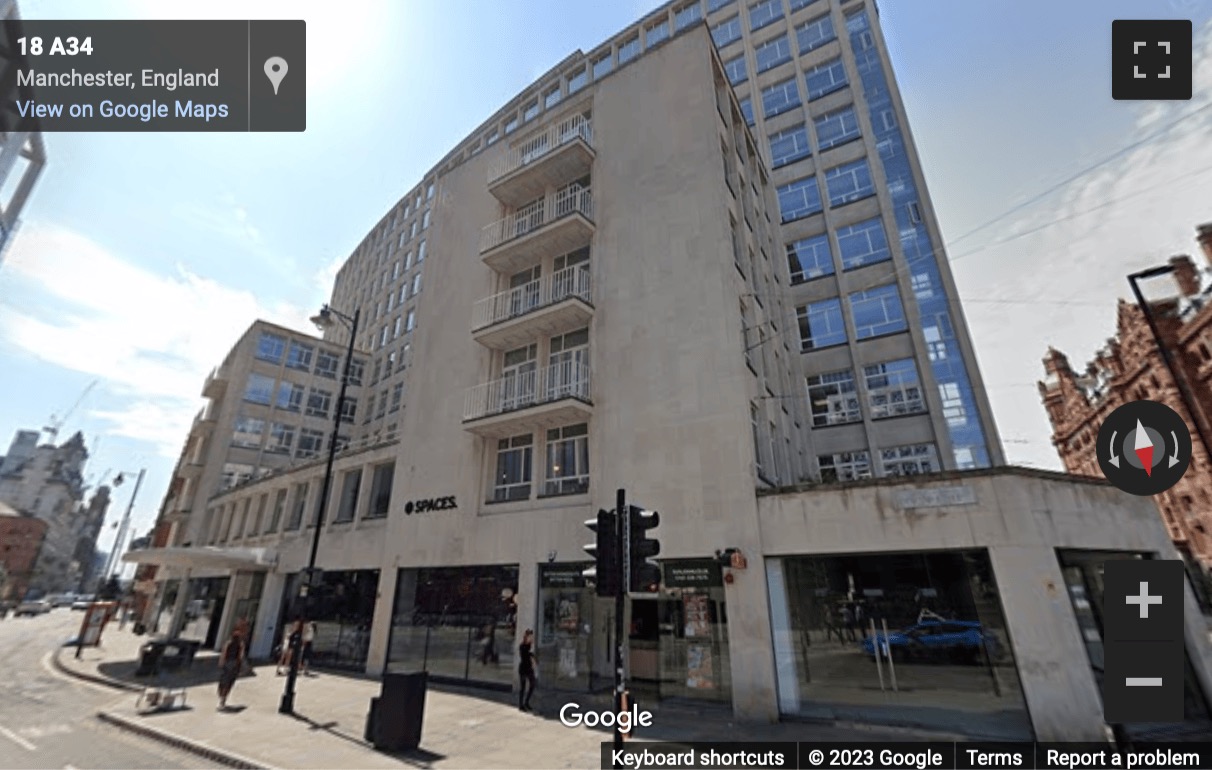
(142, 257)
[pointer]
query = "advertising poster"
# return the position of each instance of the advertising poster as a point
(568, 613)
(568, 659)
(95, 619)
(698, 667)
(698, 619)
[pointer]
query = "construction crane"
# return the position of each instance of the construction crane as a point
(56, 423)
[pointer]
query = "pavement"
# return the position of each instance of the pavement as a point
(462, 728)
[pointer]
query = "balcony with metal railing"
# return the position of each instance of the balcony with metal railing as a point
(537, 399)
(552, 305)
(555, 224)
(551, 158)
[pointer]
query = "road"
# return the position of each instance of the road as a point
(49, 721)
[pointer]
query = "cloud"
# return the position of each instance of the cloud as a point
(1063, 264)
(228, 219)
(152, 338)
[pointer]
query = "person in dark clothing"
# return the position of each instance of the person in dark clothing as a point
(231, 663)
(526, 670)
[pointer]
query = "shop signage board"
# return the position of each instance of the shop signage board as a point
(564, 577)
(935, 497)
(693, 573)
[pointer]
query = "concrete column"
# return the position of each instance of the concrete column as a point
(751, 643)
(380, 625)
(266, 623)
(528, 608)
(1063, 699)
(178, 621)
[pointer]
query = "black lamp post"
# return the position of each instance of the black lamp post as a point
(324, 319)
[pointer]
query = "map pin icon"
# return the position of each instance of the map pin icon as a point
(275, 70)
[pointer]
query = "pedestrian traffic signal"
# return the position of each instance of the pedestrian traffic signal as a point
(605, 552)
(645, 575)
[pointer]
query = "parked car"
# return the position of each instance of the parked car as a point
(35, 607)
(934, 639)
(83, 602)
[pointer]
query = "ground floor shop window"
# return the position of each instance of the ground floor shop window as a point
(944, 662)
(567, 609)
(341, 604)
(686, 627)
(204, 609)
(457, 623)
(1083, 571)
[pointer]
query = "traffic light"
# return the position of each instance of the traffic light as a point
(644, 573)
(605, 553)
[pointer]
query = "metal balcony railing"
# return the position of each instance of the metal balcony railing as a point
(529, 151)
(567, 200)
(548, 290)
(524, 389)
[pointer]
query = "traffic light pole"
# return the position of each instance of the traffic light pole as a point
(620, 606)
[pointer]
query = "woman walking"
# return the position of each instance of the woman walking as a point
(309, 638)
(290, 637)
(526, 670)
(231, 663)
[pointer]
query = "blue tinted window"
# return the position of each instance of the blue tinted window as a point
(577, 80)
(271, 347)
(814, 34)
(809, 258)
(863, 243)
(825, 79)
(849, 183)
(715, 5)
(772, 53)
(687, 16)
(798, 4)
(657, 34)
(629, 50)
(780, 97)
(836, 128)
(877, 311)
(747, 109)
(735, 70)
(821, 324)
(727, 31)
(789, 146)
(765, 12)
(799, 199)
(601, 67)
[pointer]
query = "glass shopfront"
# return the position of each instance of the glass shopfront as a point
(342, 605)
(567, 610)
(457, 623)
(204, 609)
(916, 637)
(681, 635)
(1083, 572)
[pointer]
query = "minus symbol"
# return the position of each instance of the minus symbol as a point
(1143, 681)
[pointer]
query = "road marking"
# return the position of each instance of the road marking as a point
(17, 739)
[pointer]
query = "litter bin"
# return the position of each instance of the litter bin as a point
(394, 721)
(149, 658)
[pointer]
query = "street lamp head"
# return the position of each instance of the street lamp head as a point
(323, 320)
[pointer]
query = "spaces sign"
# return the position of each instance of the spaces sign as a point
(432, 504)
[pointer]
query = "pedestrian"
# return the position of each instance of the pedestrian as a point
(527, 673)
(848, 621)
(231, 663)
(290, 641)
(309, 638)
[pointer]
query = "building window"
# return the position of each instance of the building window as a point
(529, 113)
(877, 311)
(893, 389)
(809, 258)
(577, 80)
(416, 284)
(799, 199)
(429, 192)
(270, 347)
(248, 432)
(755, 423)
(298, 508)
(833, 399)
(814, 34)
(357, 370)
(420, 252)
(310, 442)
(235, 474)
(657, 33)
(845, 466)
(410, 322)
(290, 396)
(397, 326)
(408, 260)
(836, 128)
(788, 146)
(765, 12)
(380, 490)
(511, 125)
(780, 97)
(955, 409)
(848, 183)
(425, 216)
(863, 243)
(349, 409)
(735, 70)
(405, 354)
(281, 438)
(909, 460)
(746, 105)
(821, 324)
(715, 5)
(629, 50)
(798, 4)
(351, 484)
(412, 229)
(326, 364)
(602, 67)
(552, 97)
(397, 396)
(687, 16)
(299, 357)
(382, 339)
(727, 31)
(279, 508)
(567, 470)
(318, 402)
(260, 389)
(514, 459)
(771, 54)
(825, 79)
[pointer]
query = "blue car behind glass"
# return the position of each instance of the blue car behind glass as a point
(956, 639)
